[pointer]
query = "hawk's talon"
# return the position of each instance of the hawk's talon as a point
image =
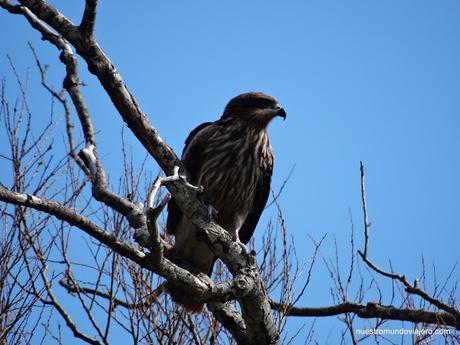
(236, 238)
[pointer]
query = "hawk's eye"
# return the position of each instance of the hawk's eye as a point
(262, 103)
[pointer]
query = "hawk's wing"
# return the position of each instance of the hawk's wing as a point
(192, 158)
(260, 200)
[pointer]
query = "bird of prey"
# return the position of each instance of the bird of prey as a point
(233, 160)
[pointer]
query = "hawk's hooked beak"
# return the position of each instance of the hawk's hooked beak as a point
(279, 111)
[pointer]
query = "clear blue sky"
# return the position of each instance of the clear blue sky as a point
(377, 81)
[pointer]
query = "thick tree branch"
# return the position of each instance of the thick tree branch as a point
(89, 18)
(71, 84)
(374, 310)
(101, 66)
(204, 288)
(229, 317)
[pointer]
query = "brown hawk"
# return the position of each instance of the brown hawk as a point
(232, 159)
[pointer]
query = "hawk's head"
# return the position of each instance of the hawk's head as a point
(253, 107)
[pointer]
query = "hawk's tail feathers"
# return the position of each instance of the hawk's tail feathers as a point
(183, 297)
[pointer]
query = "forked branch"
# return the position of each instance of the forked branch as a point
(409, 288)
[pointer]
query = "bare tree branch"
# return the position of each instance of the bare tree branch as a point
(204, 289)
(375, 310)
(409, 288)
(232, 321)
(89, 18)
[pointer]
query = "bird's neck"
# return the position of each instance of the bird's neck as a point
(254, 128)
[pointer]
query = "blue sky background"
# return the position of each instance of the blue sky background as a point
(377, 81)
